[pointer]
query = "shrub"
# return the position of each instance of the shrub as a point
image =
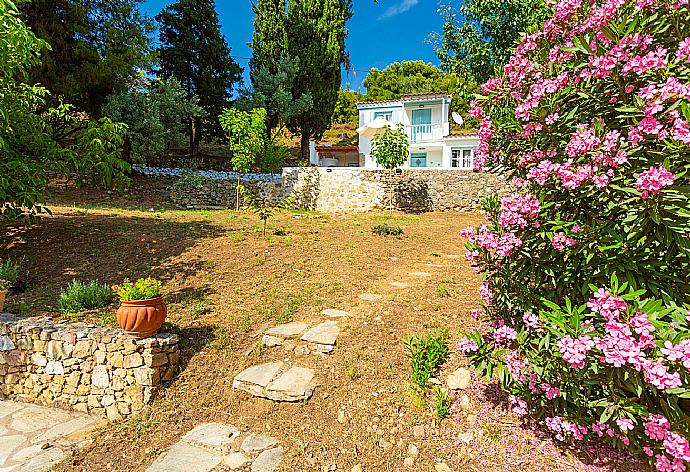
(80, 296)
(427, 355)
(386, 230)
(442, 405)
(9, 273)
(590, 120)
(190, 181)
(274, 158)
(142, 289)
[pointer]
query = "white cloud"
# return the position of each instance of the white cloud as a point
(401, 7)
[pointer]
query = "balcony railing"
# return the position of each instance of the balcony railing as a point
(425, 133)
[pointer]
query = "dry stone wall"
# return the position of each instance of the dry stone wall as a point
(95, 370)
(333, 190)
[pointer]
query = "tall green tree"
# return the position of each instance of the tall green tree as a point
(29, 149)
(273, 71)
(408, 77)
(95, 46)
(479, 36)
(316, 32)
(194, 51)
(346, 107)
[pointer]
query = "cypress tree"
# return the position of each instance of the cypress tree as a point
(316, 32)
(194, 51)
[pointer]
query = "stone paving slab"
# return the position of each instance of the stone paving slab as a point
(420, 274)
(319, 339)
(35, 438)
(217, 447)
(287, 384)
(333, 313)
(400, 284)
(370, 297)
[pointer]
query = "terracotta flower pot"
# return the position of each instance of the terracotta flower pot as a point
(142, 318)
(3, 293)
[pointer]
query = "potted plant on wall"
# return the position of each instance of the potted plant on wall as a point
(143, 310)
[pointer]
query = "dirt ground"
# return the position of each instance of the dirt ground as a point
(224, 283)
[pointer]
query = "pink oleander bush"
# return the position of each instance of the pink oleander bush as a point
(587, 266)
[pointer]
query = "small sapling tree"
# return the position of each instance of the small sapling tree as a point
(391, 149)
(246, 130)
(263, 207)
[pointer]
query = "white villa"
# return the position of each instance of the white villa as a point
(426, 120)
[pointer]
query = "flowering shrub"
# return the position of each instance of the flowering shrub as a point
(142, 289)
(590, 121)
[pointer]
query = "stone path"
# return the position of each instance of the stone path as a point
(317, 339)
(219, 447)
(276, 381)
(35, 438)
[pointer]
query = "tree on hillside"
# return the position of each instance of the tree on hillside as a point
(268, 40)
(28, 148)
(408, 77)
(346, 107)
(156, 113)
(316, 35)
(194, 51)
(95, 46)
(479, 36)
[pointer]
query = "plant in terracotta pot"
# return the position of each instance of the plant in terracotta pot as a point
(9, 273)
(5, 285)
(143, 310)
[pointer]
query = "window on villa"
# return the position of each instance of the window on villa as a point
(462, 158)
(386, 115)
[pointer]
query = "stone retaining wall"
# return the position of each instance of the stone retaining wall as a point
(74, 366)
(332, 190)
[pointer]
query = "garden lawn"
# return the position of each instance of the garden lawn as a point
(225, 283)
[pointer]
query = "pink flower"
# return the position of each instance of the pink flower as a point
(658, 375)
(653, 180)
(486, 293)
(677, 446)
(504, 334)
(625, 424)
(531, 320)
(656, 427)
(475, 313)
(575, 350)
(607, 306)
(560, 241)
(517, 209)
(466, 345)
(683, 49)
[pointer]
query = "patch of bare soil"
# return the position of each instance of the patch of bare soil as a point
(225, 283)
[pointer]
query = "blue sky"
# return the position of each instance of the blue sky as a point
(391, 31)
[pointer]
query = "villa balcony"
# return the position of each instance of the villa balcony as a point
(425, 133)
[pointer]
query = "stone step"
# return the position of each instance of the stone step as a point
(303, 339)
(276, 381)
(333, 313)
(217, 447)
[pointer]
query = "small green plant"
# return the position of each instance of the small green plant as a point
(107, 319)
(442, 402)
(80, 296)
(198, 309)
(386, 230)
(427, 354)
(263, 207)
(280, 232)
(290, 306)
(351, 371)
(435, 254)
(142, 289)
(9, 273)
(222, 338)
(442, 291)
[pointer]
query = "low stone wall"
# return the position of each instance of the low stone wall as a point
(413, 190)
(332, 190)
(74, 366)
(218, 194)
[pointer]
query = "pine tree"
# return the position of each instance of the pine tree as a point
(95, 46)
(316, 35)
(194, 51)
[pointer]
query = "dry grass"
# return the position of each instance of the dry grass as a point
(224, 282)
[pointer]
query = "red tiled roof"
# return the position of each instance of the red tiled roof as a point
(348, 148)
